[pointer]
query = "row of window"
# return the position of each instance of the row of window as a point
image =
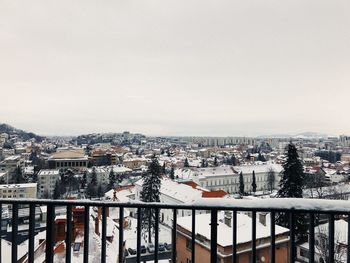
(70, 164)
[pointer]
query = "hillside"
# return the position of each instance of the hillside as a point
(5, 128)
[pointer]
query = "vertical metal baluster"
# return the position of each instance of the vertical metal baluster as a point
(156, 235)
(121, 234)
(173, 245)
(69, 234)
(292, 236)
(50, 225)
(14, 232)
(213, 236)
(86, 233)
(348, 249)
(331, 237)
(253, 237)
(0, 232)
(234, 238)
(138, 232)
(103, 237)
(31, 233)
(273, 237)
(193, 245)
(312, 238)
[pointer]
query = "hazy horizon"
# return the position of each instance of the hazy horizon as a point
(189, 68)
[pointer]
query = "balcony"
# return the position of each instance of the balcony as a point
(217, 213)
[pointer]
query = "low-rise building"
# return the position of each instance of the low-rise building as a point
(224, 239)
(18, 190)
(68, 158)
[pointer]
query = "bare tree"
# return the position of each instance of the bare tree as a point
(322, 245)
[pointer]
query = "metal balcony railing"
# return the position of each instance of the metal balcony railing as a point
(312, 208)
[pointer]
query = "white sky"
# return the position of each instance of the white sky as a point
(177, 67)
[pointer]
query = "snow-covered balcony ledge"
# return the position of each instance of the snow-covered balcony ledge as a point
(271, 204)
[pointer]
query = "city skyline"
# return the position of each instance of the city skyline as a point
(175, 68)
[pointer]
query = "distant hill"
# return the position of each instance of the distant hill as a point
(5, 128)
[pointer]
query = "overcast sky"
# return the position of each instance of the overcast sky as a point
(177, 67)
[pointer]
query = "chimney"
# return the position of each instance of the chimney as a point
(97, 226)
(228, 218)
(262, 218)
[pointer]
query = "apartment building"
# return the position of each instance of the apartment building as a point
(47, 180)
(18, 190)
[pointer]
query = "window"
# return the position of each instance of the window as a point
(304, 253)
(188, 244)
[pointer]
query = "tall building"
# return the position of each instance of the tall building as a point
(47, 181)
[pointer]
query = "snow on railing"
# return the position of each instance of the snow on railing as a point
(275, 204)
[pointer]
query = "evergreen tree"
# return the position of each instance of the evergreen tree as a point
(241, 184)
(164, 168)
(100, 191)
(91, 189)
(93, 176)
(186, 164)
(215, 161)
(150, 193)
(248, 157)
(291, 186)
(261, 158)
(57, 190)
(112, 179)
(172, 173)
(233, 160)
(254, 182)
(18, 175)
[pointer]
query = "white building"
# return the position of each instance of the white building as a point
(47, 180)
(227, 177)
(18, 190)
(174, 193)
(103, 172)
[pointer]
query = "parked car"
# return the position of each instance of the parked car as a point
(161, 247)
(150, 248)
(143, 249)
(167, 246)
(132, 251)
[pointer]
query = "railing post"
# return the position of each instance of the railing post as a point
(86, 233)
(174, 236)
(273, 237)
(156, 235)
(312, 238)
(234, 237)
(138, 233)
(50, 227)
(253, 237)
(292, 236)
(69, 234)
(331, 237)
(348, 247)
(31, 233)
(214, 236)
(103, 237)
(14, 232)
(193, 239)
(121, 235)
(0, 232)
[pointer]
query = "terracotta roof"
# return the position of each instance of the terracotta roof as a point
(214, 194)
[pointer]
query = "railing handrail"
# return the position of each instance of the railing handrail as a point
(301, 205)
